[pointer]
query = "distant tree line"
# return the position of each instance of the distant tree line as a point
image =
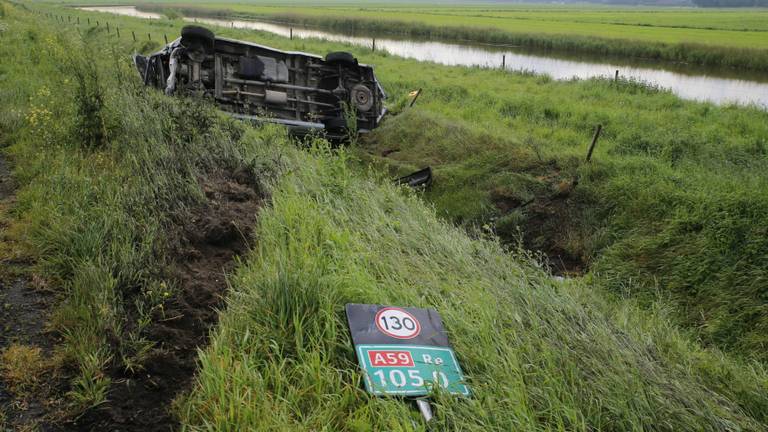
(731, 3)
(700, 3)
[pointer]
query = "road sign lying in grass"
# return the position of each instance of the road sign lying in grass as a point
(403, 351)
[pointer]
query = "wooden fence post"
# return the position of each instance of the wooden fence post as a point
(290, 33)
(503, 61)
(133, 33)
(413, 101)
(373, 45)
(594, 142)
(149, 35)
(118, 32)
(616, 78)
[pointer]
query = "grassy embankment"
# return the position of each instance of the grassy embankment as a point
(540, 354)
(536, 350)
(737, 39)
(106, 172)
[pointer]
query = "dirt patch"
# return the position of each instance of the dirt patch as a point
(543, 222)
(387, 152)
(7, 185)
(21, 308)
(545, 229)
(23, 314)
(207, 242)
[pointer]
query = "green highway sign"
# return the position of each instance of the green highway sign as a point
(410, 370)
(404, 351)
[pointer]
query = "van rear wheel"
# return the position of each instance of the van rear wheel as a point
(192, 35)
(341, 57)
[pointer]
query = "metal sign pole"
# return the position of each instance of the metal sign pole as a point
(425, 409)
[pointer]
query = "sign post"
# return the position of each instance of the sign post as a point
(404, 352)
(425, 409)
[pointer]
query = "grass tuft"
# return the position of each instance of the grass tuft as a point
(21, 367)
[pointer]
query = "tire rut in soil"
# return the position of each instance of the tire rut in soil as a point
(24, 310)
(206, 246)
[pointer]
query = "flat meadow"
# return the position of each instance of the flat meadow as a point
(736, 28)
(733, 38)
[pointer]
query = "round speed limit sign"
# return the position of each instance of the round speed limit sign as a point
(397, 323)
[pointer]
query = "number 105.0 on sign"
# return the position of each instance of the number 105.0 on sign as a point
(410, 370)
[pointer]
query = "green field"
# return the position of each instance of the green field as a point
(732, 28)
(725, 38)
(661, 326)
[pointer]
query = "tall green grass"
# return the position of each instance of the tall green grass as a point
(105, 166)
(675, 196)
(540, 354)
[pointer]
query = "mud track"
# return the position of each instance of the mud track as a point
(206, 243)
(24, 306)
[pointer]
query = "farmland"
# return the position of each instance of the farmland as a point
(120, 192)
(734, 27)
(727, 38)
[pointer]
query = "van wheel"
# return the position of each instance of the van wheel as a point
(191, 35)
(342, 58)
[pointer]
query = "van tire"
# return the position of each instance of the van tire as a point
(341, 57)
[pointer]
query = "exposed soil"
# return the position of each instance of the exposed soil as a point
(545, 223)
(24, 306)
(23, 315)
(207, 241)
(7, 186)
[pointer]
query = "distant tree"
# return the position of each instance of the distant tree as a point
(731, 3)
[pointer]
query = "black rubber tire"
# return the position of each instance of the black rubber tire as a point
(341, 57)
(197, 32)
(194, 35)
